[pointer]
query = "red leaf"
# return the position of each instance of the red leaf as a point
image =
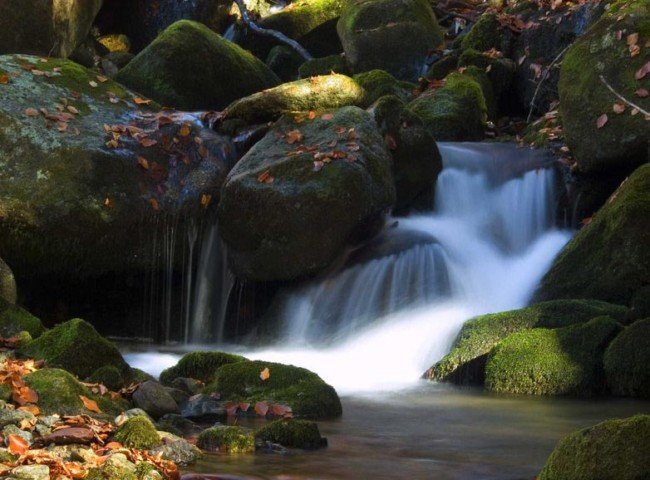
(261, 408)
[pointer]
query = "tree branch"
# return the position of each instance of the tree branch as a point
(281, 37)
(547, 72)
(622, 98)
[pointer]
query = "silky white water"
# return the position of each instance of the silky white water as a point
(381, 322)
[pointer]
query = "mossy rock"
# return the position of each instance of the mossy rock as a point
(465, 363)
(481, 77)
(226, 439)
(15, 319)
(563, 361)
(292, 433)
(199, 366)
(500, 71)
(624, 141)
(296, 224)
(379, 83)
(59, 392)
(615, 449)
(627, 361)
(486, 34)
(391, 35)
(190, 67)
(315, 93)
(76, 347)
(284, 61)
(138, 432)
(608, 259)
(324, 66)
(7, 283)
(109, 376)
(455, 112)
(304, 391)
(443, 67)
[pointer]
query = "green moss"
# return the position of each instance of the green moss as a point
(443, 67)
(226, 439)
(304, 391)
(199, 366)
(378, 83)
(108, 375)
(500, 71)
(190, 67)
(314, 93)
(14, 319)
(5, 392)
(608, 258)
(465, 363)
(484, 35)
(484, 82)
(324, 66)
(564, 361)
(59, 392)
(617, 449)
(454, 112)
(292, 433)
(627, 361)
(284, 62)
(624, 141)
(138, 432)
(75, 346)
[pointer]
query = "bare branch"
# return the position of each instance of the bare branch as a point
(547, 72)
(622, 98)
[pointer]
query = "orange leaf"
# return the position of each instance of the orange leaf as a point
(24, 395)
(205, 200)
(31, 112)
(154, 203)
(642, 93)
(33, 409)
(265, 177)
(143, 162)
(108, 202)
(231, 409)
(17, 444)
(90, 404)
(312, 115)
(327, 117)
(101, 78)
(294, 136)
(141, 101)
(632, 38)
(147, 142)
(244, 406)
(601, 121)
(113, 445)
(261, 408)
(4, 79)
(265, 374)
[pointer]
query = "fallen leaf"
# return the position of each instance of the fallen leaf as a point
(231, 409)
(93, 83)
(618, 107)
(391, 143)
(141, 101)
(185, 130)
(23, 395)
(154, 203)
(205, 200)
(90, 404)
(244, 406)
(318, 165)
(101, 78)
(327, 117)
(261, 408)
(17, 445)
(108, 202)
(143, 162)
(294, 136)
(312, 115)
(31, 112)
(73, 110)
(265, 177)
(147, 142)
(632, 39)
(4, 79)
(33, 409)
(642, 72)
(265, 374)
(601, 121)
(642, 93)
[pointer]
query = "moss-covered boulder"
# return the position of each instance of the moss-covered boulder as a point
(455, 112)
(379, 83)
(443, 67)
(324, 66)
(45, 27)
(500, 71)
(617, 449)
(76, 347)
(138, 432)
(7, 283)
(315, 93)
(608, 259)
(226, 439)
(627, 361)
(292, 433)
(487, 33)
(15, 319)
(199, 366)
(284, 61)
(304, 391)
(59, 392)
(563, 361)
(392, 35)
(305, 191)
(465, 363)
(623, 142)
(72, 205)
(192, 68)
(108, 375)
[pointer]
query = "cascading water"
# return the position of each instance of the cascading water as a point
(379, 324)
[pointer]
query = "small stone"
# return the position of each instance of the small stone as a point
(176, 449)
(203, 408)
(31, 472)
(133, 412)
(14, 417)
(154, 399)
(188, 385)
(14, 430)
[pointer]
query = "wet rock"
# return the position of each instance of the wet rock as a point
(391, 35)
(284, 62)
(14, 430)
(488, 33)
(153, 398)
(14, 417)
(178, 425)
(187, 385)
(30, 472)
(292, 433)
(204, 409)
(226, 439)
(379, 83)
(67, 436)
(133, 412)
(170, 71)
(7, 283)
(177, 450)
(179, 396)
(301, 218)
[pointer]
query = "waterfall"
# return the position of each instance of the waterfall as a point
(382, 321)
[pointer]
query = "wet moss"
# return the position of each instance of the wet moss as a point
(608, 258)
(465, 363)
(484, 35)
(292, 433)
(324, 66)
(109, 376)
(138, 432)
(563, 361)
(199, 366)
(15, 319)
(443, 67)
(627, 361)
(500, 71)
(617, 449)
(76, 347)
(226, 439)
(304, 391)
(379, 83)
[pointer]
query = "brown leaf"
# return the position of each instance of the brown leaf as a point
(31, 112)
(391, 143)
(154, 203)
(231, 409)
(143, 162)
(261, 408)
(147, 142)
(72, 110)
(205, 200)
(632, 39)
(642, 93)
(101, 78)
(642, 72)
(90, 404)
(312, 115)
(618, 107)
(294, 136)
(601, 121)
(318, 165)
(185, 130)
(23, 395)
(17, 445)
(327, 117)
(265, 177)
(4, 79)
(265, 374)
(244, 406)
(33, 409)
(141, 101)
(108, 202)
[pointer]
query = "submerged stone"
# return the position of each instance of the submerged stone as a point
(226, 439)
(292, 433)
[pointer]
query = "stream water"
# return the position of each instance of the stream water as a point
(373, 327)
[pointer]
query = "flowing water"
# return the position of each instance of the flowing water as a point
(373, 327)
